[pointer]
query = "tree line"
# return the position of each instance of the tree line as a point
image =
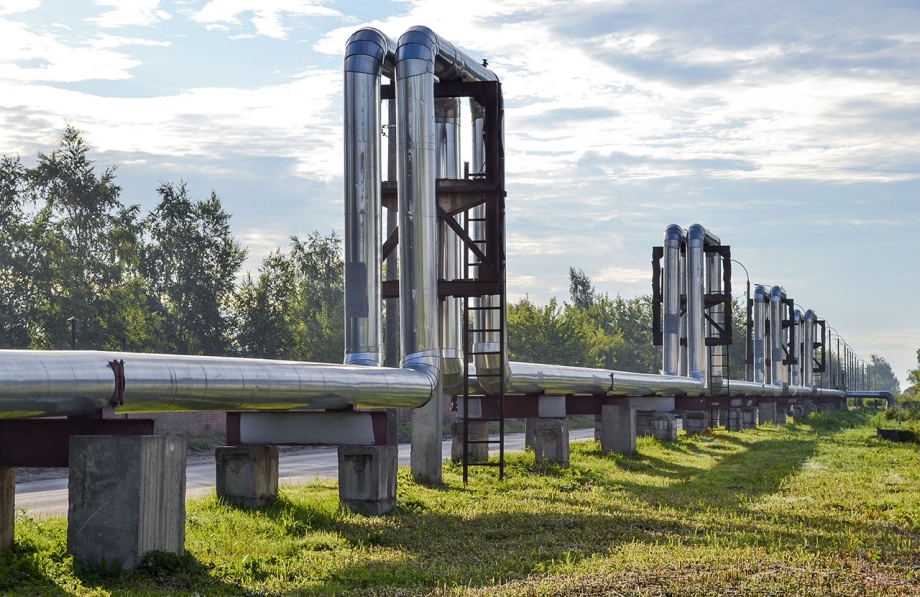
(171, 281)
(165, 281)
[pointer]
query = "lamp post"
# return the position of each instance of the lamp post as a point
(73, 332)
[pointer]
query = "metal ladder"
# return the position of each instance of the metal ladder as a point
(476, 330)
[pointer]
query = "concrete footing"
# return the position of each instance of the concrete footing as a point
(798, 411)
(809, 407)
(767, 413)
(127, 497)
(734, 420)
(551, 441)
(528, 431)
(367, 478)
(425, 457)
(618, 428)
(661, 425)
(696, 421)
(247, 475)
(781, 414)
(7, 507)
(723, 418)
(749, 417)
(479, 431)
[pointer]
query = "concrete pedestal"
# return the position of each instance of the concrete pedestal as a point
(247, 475)
(798, 411)
(659, 424)
(618, 428)
(367, 478)
(734, 420)
(768, 413)
(7, 507)
(127, 497)
(781, 414)
(551, 441)
(479, 430)
(749, 417)
(425, 456)
(696, 421)
(809, 407)
(723, 418)
(528, 431)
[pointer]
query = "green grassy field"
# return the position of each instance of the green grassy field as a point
(819, 507)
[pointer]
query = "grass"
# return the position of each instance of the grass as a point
(819, 507)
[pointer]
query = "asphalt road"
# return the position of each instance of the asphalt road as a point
(49, 497)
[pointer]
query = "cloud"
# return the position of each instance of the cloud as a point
(13, 6)
(126, 13)
(35, 56)
(626, 275)
(267, 16)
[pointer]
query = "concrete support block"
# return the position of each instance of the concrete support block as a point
(768, 413)
(528, 431)
(781, 415)
(479, 430)
(734, 420)
(247, 475)
(723, 418)
(367, 478)
(618, 428)
(661, 425)
(749, 417)
(551, 441)
(7, 507)
(798, 411)
(599, 426)
(425, 456)
(127, 497)
(696, 421)
(809, 407)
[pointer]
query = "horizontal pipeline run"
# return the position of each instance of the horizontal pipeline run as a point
(35, 383)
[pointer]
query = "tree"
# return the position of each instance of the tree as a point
(581, 290)
(80, 249)
(913, 377)
(16, 291)
(294, 309)
(882, 377)
(553, 335)
(191, 261)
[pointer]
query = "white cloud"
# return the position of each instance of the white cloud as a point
(267, 16)
(125, 13)
(627, 275)
(29, 56)
(13, 6)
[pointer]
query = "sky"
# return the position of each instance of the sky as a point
(791, 129)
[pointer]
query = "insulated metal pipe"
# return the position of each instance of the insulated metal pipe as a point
(760, 318)
(808, 354)
(366, 53)
(670, 289)
(422, 55)
(74, 383)
(696, 341)
(777, 339)
(682, 273)
(447, 121)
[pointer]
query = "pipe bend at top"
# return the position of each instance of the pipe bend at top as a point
(700, 233)
(422, 51)
(777, 293)
(673, 235)
(370, 51)
(809, 316)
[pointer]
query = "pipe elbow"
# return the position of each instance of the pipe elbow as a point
(809, 316)
(696, 235)
(416, 52)
(673, 235)
(760, 293)
(777, 294)
(369, 51)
